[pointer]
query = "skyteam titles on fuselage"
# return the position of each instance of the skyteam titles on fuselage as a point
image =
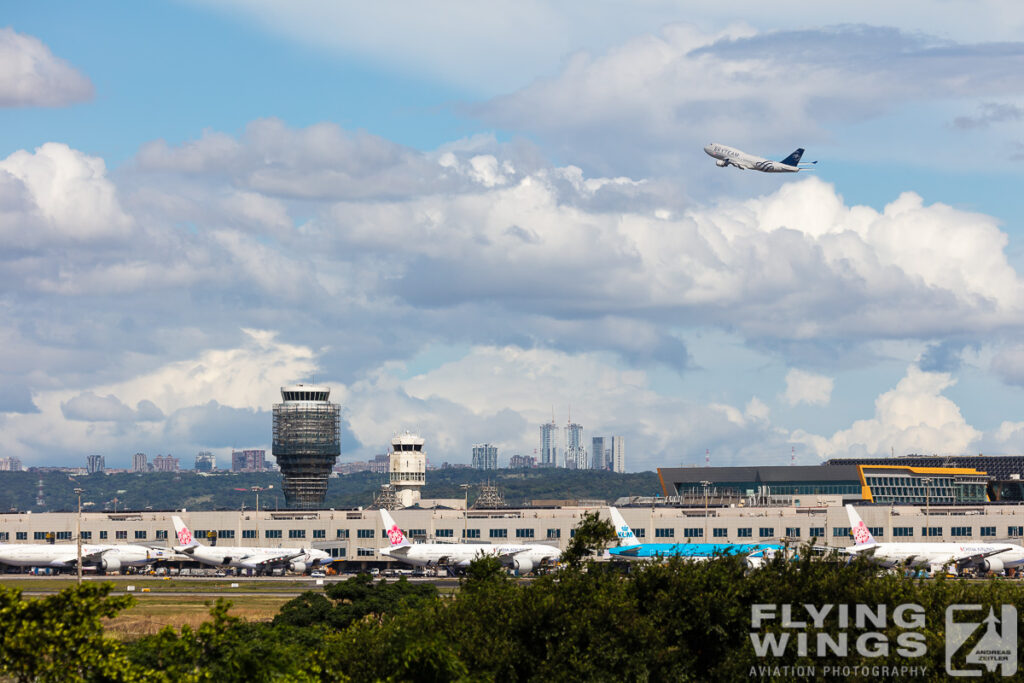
(730, 156)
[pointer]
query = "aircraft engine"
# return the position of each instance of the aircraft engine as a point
(297, 567)
(993, 564)
(523, 565)
(110, 564)
(721, 163)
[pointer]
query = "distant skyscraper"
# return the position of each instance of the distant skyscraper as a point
(165, 463)
(600, 453)
(549, 444)
(139, 463)
(95, 463)
(485, 456)
(575, 452)
(205, 461)
(618, 459)
(518, 461)
(253, 460)
(12, 464)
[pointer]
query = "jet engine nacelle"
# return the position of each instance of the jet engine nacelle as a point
(297, 567)
(721, 163)
(523, 565)
(110, 564)
(993, 564)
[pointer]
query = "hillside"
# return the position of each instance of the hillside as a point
(187, 489)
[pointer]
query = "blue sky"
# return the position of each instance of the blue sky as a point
(461, 218)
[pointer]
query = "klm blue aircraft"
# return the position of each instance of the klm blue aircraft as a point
(630, 548)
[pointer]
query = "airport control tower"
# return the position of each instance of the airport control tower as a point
(408, 468)
(306, 443)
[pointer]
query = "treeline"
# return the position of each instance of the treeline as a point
(672, 621)
(172, 491)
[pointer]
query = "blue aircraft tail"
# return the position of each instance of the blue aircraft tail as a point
(794, 158)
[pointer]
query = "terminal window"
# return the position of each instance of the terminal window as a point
(903, 531)
(337, 552)
(816, 532)
(342, 533)
(296, 533)
(63, 535)
(640, 533)
(86, 536)
(744, 532)
(4, 536)
(226, 533)
(1015, 531)
(445, 533)
(499, 533)
(471, 533)
(767, 531)
(988, 531)
(840, 531)
(319, 533)
(272, 533)
(664, 532)
(961, 531)
(39, 535)
(718, 532)
(931, 531)
(793, 531)
(876, 531)
(364, 533)
(554, 533)
(524, 533)
(21, 535)
(248, 533)
(161, 534)
(364, 552)
(103, 535)
(693, 533)
(140, 534)
(121, 535)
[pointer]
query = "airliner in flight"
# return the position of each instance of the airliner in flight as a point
(985, 557)
(106, 558)
(257, 558)
(730, 156)
(522, 557)
(630, 548)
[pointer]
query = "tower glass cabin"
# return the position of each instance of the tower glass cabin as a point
(307, 442)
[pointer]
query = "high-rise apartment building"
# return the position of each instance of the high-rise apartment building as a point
(518, 461)
(485, 456)
(205, 461)
(575, 451)
(139, 463)
(94, 464)
(600, 452)
(165, 463)
(252, 460)
(618, 455)
(549, 444)
(12, 464)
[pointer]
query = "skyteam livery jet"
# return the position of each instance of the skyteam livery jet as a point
(729, 156)
(631, 549)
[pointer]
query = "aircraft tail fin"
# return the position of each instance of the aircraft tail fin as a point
(184, 535)
(396, 539)
(861, 534)
(626, 536)
(794, 158)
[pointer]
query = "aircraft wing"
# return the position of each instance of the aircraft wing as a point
(973, 558)
(277, 559)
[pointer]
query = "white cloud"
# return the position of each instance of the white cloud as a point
(31, 76)
(807, 387)
(88, 407)
(914, 417)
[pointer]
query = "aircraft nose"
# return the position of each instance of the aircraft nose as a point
(707, 148)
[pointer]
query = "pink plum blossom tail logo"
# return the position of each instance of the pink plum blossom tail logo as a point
(184, 537)
(861, 535)
(395, 535)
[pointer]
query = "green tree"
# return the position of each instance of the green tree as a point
(591, 535)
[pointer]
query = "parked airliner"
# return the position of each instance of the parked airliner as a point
(259, 559)
(730, 156)
(630, 548)
(106, 558)
(985, 557)
(522, 557)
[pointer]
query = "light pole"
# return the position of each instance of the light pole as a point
(465, 530)
(78, 534)
(927, 481)
(706, 484)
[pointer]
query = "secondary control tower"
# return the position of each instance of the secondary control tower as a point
(408, 468)
(307, 441)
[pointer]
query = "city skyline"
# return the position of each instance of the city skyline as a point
(457, 228)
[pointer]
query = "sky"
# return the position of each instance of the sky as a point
(468, 218)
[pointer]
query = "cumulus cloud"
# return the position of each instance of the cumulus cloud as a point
(1008, 364)
(914, 417)
(807, 387)
(645, 99)
(31, 76)
(989, 113)
(88, 407)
